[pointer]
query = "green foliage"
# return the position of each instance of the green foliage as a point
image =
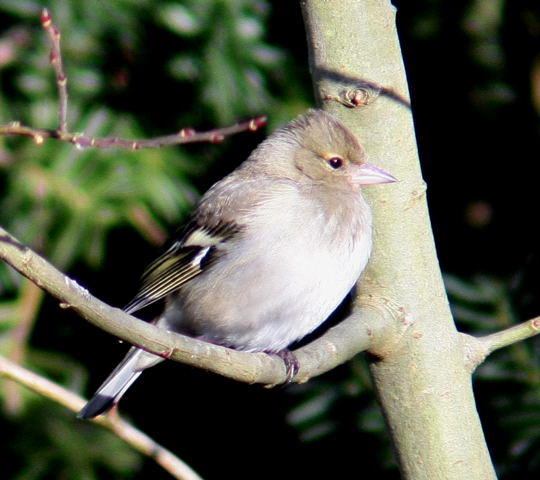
(233, 63)
(68, 200)
(59, 446)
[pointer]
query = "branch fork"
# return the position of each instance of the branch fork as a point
(81, 141)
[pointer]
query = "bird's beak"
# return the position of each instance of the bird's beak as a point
(367, 174)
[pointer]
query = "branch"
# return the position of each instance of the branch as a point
(39, 135)
(511, 335)
(127, 432)
(374, 319)
(476, 349)
(423, 386)
(186, 135)
(56, 61)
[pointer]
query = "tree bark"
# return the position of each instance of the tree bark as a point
(423, 382)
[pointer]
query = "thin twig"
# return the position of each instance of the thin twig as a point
(56, 61)
(186, 135)
(127, 432)
(80, 140)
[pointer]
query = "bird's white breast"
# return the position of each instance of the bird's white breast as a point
(283, 277)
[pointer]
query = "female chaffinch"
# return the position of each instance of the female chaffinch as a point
(269, 252)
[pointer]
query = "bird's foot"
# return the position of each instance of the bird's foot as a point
(292, 365)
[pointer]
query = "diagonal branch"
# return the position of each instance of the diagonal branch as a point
(379, 320)
(127, 432)
(476, 349)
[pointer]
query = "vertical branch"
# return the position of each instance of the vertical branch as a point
(56, 61)
(423, 385)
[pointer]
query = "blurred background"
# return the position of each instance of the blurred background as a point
(141, 68)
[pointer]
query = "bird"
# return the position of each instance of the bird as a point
(269, 252)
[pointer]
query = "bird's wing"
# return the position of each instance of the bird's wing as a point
(183, 260)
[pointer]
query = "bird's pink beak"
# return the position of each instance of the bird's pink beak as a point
(367, 174)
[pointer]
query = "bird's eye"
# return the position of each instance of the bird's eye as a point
(335, 162)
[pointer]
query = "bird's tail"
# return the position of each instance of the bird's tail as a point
(116, 384)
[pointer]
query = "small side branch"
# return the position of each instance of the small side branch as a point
(127, 432)
(476, 349)
(511, 335)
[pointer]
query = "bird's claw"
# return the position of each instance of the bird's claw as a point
(292, 365)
